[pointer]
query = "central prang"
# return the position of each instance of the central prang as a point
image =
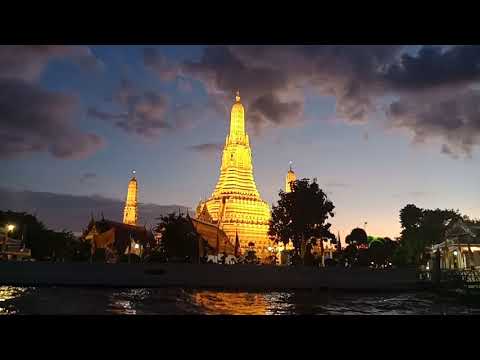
(235, 205)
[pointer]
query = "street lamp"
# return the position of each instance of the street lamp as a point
(8, 228)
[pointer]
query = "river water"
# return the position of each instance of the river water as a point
(171, 301)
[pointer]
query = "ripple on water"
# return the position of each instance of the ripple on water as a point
(58, 300)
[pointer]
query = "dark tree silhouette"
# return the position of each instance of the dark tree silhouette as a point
(301, 215)
(357, 237)
(44, 243)
(179, 237)
(421, 228)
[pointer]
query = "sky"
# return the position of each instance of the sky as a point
(378, 126)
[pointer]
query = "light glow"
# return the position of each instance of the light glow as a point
(235, 205)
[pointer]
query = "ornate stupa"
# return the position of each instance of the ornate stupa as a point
(235, 205)
(291, 177)
(130, 213)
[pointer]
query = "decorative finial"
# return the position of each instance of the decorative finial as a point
(237, 98)
(290, 162)
(134, 172)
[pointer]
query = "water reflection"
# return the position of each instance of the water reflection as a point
(8, 293)
(92, 301)
(242, 303)
(124, 302)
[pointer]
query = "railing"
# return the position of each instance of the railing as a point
(468, 278)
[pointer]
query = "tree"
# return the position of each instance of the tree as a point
(43, 242)
(357, 237)
(179, 237)
(349, 254)
(82, 251)
(421, 228)
(301, 215)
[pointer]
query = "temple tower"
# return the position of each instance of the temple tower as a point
(130, 213)
(235, 205)
(291, 177)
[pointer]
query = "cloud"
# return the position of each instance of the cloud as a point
(143, 113)
(206, 148)
(87, 176)
(27, 62)
(272, 80)
(269, 75)
(454, 119)
(33, 119)
(165, 69)
(264, 89)
(184, 85)
(72, 212)
(435, 67)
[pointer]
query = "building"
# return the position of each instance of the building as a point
(461, 247)
(291, 177)
(14, 249)
(216, 238)
(130, 213)
(235, 205)
(117, 239)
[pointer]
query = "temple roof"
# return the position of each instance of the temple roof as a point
(123, 233)
(210, 232)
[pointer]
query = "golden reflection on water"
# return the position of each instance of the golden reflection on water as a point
(240, 303)
(8, 293)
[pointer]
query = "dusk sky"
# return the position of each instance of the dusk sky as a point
(379, 126)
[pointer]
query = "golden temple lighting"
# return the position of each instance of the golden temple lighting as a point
(130, 213)
(291, 177)
(235, 205)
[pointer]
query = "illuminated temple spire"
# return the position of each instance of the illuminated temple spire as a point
(235, 204)
(291, 177)
(130, 214)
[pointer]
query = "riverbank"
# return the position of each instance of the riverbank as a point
(207, 276)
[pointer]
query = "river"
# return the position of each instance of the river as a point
(172, 301)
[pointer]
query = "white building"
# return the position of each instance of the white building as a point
(461, 248)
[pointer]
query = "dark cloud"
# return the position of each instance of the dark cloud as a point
(223, 72)
(159, 63)
(186, 116)
(206, 148)
(27, 62)
(184, 85)
(71, 212)
(269, 107)
(269, 75)
(435, 67)
(143, 113)
(453, 119)
(433, 87)
(87, 176)
(33, 119)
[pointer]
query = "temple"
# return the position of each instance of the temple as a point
(130, 213)
(291, 177)
(113, 238)
(235, 205)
